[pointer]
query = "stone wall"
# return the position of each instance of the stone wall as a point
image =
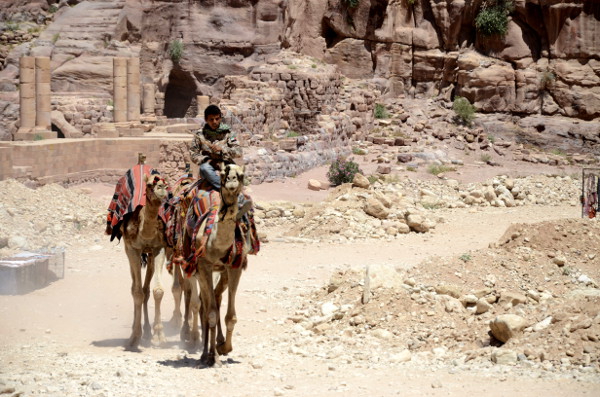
(73, 161)
(83, 111)
(298, 104)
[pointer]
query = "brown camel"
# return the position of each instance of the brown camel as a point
(143, 233)
(218, 258)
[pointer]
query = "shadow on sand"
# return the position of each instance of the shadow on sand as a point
(188, 362)
(123, 343)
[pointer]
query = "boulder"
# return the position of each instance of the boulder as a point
(375, 208)
(506, 326)
(360, 181)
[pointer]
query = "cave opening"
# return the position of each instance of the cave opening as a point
(180, 94)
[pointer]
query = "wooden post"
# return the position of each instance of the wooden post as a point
(367, 287)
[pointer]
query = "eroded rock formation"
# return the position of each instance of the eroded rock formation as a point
(547, 63)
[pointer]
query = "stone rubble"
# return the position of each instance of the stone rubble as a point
(390, 208)
(507, 305)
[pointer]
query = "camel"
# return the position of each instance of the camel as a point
(143, 233)
(218, 258)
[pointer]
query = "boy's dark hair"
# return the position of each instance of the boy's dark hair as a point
(211, 110)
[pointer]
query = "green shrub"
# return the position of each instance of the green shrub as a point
(342, 171)
(435, 169)
(38, 137)
(372, 179)
(485, 158)
(358, 151)
(176, 50)
(492, 18)
(465, 257)
(547, 77)
(292, 134)
(53, 8)
(465, 112)
(351, 3)
(381, 112)
(55, 37)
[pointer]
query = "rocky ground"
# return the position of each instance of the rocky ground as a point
(495, 296)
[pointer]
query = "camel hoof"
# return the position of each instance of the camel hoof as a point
(210, 360)
(159, 339)
(133, 343)
(223, 349)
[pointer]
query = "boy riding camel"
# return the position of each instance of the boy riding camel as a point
(214, 144)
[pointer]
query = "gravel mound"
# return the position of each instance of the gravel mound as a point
(531, 300)
(47, 217)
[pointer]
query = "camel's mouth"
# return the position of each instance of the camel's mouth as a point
(232, 178)
(160, 190)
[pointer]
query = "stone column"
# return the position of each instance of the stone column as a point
(27, 111)
(133, 89)
(42, 94)
(203, 101)
(149, 100)
(120, 89)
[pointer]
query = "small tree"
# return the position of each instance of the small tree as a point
(381, 112)
(176, 50)
(342, 171)
(492, 18)
(465, 112)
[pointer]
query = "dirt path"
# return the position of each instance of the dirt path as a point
(67, 339)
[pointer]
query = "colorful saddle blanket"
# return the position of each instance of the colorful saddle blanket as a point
(130, 193)
(196, 209)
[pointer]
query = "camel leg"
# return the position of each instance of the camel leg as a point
(147, 335)
(177, 290)
(187, 290)
(219, 289)
(231, 318)
(135, 267)
(210, 314)
(194, 307)
(158, 293)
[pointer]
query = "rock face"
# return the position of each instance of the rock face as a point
(545, 64)
(432, 45)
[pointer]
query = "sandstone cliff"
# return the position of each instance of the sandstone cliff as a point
(547, 63)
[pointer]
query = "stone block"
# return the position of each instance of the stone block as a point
(288, 144)
(27, 75)
(28, 271)
(27, 90)
(120, 67)
(27, 62)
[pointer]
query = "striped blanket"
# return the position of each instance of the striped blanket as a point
(130, 193)
(196, 209)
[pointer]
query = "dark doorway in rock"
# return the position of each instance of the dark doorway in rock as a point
(179, 95)
(58, 131)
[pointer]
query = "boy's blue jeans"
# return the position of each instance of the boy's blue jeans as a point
(208, 172)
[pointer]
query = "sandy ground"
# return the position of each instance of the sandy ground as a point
(68, 338)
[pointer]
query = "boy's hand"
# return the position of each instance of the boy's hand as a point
(215, 147)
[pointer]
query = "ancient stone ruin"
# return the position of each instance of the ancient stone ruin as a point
(299, 80)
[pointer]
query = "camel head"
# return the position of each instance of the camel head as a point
(156, 188)
(232, 182)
